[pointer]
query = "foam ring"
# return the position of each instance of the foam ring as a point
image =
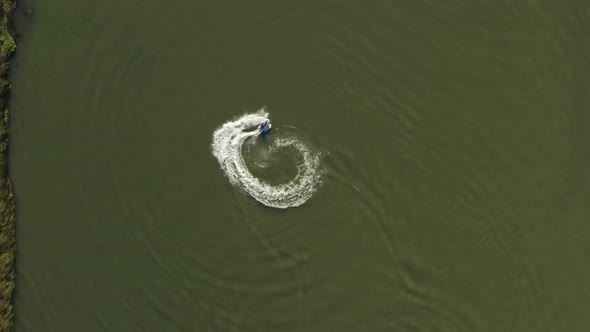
(227, 148)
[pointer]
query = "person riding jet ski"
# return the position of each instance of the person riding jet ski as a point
(264, 126)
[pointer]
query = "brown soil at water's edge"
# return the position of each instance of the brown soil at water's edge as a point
(7, 226)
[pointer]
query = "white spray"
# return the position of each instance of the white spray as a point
(227, 148)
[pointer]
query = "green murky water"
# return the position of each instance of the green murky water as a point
(455, 193)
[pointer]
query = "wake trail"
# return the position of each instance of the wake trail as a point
(227, 148)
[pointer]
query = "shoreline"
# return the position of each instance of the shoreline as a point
(7, 207)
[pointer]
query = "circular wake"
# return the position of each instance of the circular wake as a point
(227, 148)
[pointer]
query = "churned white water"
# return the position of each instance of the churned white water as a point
(227, 148)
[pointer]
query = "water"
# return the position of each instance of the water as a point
(454, 171)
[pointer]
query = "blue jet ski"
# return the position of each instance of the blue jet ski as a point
(264, 126)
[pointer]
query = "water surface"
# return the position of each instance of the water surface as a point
(456, 186)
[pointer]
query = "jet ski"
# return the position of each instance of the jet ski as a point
(264, 126)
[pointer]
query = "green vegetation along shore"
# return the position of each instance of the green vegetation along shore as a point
(7, 226)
